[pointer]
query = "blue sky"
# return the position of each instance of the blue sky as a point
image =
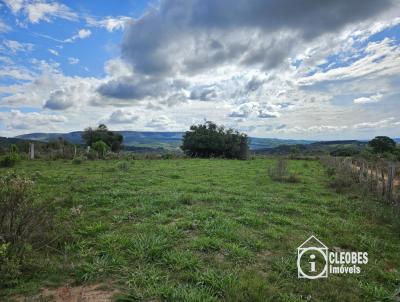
(318, 70)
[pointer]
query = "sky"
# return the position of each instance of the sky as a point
(304, 69)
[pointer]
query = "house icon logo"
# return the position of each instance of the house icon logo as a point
(312, 259)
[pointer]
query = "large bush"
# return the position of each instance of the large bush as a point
(9, 160)
(101, 148)
(26, 226)
(209, 140)
(101, 133)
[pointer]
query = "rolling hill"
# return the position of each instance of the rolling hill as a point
(148, 139)
(156, 141)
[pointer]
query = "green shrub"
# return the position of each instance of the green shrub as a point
(77, 160)
(14, 149)
(293, 178)
(167, 156)
(342, 183)
(9, 160)
(279, 172)
(101, 147)
(25, 227)
(123, 166)
(330, 171)
(92, 155)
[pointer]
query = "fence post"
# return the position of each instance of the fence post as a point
(31, 150)
(360, 172)
(391, 174)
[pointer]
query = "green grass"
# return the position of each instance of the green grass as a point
(208, 230)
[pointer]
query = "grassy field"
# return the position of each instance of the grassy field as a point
(207, 230)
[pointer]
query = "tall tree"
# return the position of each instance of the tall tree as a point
(381, 144)
(101, 133)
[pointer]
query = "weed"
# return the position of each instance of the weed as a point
(123, 166)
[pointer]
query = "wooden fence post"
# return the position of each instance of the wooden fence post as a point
(389, 189)
(31, 150)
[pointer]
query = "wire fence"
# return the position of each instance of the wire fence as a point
(379, 177)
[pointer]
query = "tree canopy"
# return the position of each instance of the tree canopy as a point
(210, 140)
(101, 133)
(381, 144)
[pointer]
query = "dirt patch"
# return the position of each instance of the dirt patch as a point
(87, 293)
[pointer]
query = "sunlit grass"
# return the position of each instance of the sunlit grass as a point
(209, 230)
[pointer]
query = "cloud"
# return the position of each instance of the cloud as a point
(121, 116)
(380, 58)
(161, 123)
(38, 10)
(132, 88)
(385, 123)
(109, 23)
(16, 119)
(203, 93)
(244, 110)
(4, 27)
(267, 114)
(261, 110)
(254, 84)
(367, 100)
(82, 34)
(59, 100)
(17, 73)
(53, 52)
(73, 61)
(14, 5)
(257, 33)
(13, 46)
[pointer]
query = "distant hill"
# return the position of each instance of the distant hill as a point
(155, 140)
(5, 143)
(148, 140)
(322, 147)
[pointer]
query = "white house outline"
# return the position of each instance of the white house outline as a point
(312, 237)
(322, 249)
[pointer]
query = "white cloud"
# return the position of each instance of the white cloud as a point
(109, 23)
(122, 116)
(82, 34)
(261, 110)
(41, 10)
(53, 52)
(16, 119)
(4, 27)
(14, 5)
(162, 122)
(13, 46)
(386, 52)
(17, 73)
(389, 122)
(73, 61)
(367, 100)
